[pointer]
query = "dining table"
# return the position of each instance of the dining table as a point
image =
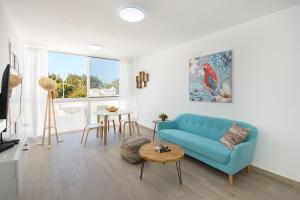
(105, 114)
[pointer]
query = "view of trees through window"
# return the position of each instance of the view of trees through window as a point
(71, 75)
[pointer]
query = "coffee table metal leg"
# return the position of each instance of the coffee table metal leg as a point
(179, 171)
(142, 170)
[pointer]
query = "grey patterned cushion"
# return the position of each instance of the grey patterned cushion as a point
(234, 136)
(130, 148)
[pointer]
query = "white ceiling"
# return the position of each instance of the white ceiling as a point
(70, 25)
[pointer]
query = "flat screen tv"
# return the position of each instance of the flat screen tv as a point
(10, 98)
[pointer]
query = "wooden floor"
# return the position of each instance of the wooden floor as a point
(71, 172)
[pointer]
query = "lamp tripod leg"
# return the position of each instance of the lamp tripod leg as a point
(45, 122)
(49, 121)
(54, 120)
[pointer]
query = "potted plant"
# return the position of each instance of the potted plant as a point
(163, 116)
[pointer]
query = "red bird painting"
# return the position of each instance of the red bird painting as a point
(210, 78)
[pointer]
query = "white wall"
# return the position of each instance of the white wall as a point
(266, 70)
(127, 99)
(8, 32)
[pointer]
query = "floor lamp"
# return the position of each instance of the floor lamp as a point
(49, 122)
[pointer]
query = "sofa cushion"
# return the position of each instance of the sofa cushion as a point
(209, 148)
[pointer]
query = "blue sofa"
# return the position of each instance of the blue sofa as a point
(200, 135)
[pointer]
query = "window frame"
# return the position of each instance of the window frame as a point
(88, 97)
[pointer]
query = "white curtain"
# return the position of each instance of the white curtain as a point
(126, 81)
(34, 97)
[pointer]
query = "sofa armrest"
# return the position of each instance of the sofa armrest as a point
(241, 156)
(244, 150)
(166, 125)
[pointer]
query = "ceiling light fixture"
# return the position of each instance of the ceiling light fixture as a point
(95, 47)
(132, 14)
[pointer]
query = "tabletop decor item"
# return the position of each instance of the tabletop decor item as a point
(142, 79)
(111, 109)
(50, 86)
(163, 116)
(210, 78)
(161, 148)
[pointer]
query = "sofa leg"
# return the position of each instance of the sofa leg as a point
(249, 168)
(230, 180)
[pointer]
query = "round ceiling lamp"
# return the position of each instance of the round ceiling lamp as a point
(132, 14)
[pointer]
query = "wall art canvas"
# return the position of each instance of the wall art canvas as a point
(210, 78)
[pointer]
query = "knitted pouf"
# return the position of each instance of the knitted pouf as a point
(130, 148)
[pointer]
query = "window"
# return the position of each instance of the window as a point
(73, 72)
(69, 71)
(104, 77)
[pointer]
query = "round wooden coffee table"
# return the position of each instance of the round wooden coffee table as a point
(148, 153)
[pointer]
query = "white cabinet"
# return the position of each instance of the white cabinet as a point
(12, 170)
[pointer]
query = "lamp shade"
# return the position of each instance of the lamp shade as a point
(47, 84)
(14, 80)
